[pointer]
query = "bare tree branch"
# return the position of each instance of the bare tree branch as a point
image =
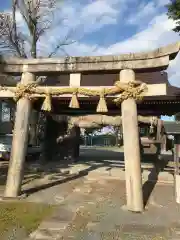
(10, 42)
(39, 17)
(59, 46)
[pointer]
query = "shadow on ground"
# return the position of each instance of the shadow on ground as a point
(92, 158)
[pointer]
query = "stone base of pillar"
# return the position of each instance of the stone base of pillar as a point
(126, 208)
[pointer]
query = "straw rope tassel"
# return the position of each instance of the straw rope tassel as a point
(74, 100)
(47, 106)
(102, 106)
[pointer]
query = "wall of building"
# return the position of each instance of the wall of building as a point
(7, 110)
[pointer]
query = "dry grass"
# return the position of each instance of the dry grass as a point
(22, 215)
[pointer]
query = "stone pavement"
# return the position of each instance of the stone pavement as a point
(95, 210)
(94, 162)
(91, 201)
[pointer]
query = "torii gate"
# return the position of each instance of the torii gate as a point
(126, 64)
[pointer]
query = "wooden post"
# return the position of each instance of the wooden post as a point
(33, 128)
(19, 143)
(131, 149)
(159, 139)
(159, 130)
(176, 167)
(76, 144)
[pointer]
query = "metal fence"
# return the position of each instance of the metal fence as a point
(99, 140)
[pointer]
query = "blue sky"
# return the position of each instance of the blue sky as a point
(110, 27)
(4, 4)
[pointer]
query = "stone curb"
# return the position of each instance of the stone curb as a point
(95, 177)
(13, 199)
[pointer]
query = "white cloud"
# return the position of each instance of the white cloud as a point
(144, 12)
(162, 3)
(157, 33)
(78, 15)
(97, 8)
(77, 20)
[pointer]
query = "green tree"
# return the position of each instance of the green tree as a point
(174, 13)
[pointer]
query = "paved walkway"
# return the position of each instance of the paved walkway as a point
(92, 206)
(95, 210)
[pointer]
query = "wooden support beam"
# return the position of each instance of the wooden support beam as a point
(72, 66)
(75, 80)
(153, 90)
(159, 130)
(131, 149)
(100, 120)
(19, 143)
(157, 59)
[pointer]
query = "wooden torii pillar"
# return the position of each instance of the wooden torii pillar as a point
(131, 148)
(20, 141)
(127, 65)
